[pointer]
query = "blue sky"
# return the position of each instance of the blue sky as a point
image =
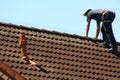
(59, 15)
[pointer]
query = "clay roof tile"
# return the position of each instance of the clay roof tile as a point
(55, 55)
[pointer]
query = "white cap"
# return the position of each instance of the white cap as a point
(86, 11)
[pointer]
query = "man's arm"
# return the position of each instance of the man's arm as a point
(87, 27)
(97, 30)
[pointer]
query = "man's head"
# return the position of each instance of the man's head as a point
(86, 11)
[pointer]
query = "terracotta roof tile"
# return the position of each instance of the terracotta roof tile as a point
(56, 55)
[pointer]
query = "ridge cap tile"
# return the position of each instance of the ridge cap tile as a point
(44, 30)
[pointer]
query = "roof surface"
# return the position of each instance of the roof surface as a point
(60, 56)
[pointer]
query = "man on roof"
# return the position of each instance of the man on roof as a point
(106, 17)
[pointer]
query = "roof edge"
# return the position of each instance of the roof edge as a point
(51, 32)
(11, 72)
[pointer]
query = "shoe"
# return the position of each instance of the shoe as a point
(112, 50)
(106, 45)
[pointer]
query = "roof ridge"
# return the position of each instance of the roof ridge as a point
(51, 32)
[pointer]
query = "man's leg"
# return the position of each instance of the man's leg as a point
(108, 18)
(105, 39)
(110, 36)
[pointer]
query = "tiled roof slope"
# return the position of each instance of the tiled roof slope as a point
(60, 56)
